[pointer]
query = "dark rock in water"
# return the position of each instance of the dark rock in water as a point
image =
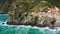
(3, 23)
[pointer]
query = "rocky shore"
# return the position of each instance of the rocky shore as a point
(33, 20)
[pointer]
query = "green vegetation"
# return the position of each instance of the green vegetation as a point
(26, 5)
(15, 8)
(4, 6)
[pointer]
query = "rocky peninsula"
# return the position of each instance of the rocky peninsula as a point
(37, 19)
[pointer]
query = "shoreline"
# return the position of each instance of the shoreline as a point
(32, 26)
(56, 28)
(51, 27)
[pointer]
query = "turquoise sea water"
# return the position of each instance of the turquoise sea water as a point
(10, 29)
(3, 17)
(21, 29)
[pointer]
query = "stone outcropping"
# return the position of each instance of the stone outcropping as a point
(32, 20)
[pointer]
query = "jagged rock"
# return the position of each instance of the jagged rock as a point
(44, 21)
(40, 21)
(29, 20)
(11, 21)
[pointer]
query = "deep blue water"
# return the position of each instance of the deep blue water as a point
(21, 29)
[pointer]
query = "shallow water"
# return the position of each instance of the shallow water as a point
(3, 18)
(22, 29)
(13, 29)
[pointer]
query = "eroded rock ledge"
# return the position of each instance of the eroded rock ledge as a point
(42, 21)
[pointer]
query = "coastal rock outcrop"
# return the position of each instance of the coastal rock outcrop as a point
(32, 20)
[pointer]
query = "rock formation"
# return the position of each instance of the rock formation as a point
(40, 21)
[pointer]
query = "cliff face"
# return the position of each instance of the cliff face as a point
(38, 20)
